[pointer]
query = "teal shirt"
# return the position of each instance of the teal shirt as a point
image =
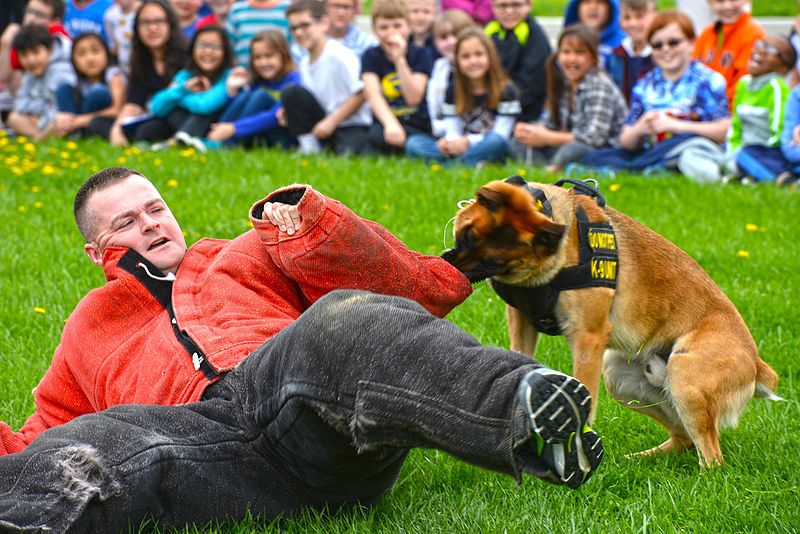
(177, 95)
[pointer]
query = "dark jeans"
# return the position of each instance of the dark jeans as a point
(303, 111)
(70, 100)
(179, 120)
(247, 104)
(321, 416)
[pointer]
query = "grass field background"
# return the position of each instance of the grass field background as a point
(745, 237)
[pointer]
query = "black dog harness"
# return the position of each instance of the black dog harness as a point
(597, 265)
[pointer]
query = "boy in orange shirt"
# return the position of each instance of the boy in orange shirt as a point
(726, 45)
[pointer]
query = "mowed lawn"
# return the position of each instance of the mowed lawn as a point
(745, 237)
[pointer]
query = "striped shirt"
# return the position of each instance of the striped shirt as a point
(248, 18)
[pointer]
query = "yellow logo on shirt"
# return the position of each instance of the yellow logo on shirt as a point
(390, 85)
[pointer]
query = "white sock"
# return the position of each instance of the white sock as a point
(308, 144)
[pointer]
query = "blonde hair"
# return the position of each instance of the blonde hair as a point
(389, 9)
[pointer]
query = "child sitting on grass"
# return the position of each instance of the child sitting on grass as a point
(46, 64)
(726, 44)
(480, 107)
(585, 109)
(99, 91)
(632, 58)
(395, 74)
(252, 113)
(754, 137)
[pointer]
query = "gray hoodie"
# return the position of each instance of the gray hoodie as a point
(37, 95)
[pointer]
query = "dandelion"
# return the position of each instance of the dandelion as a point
(187, 152)
(743, 254)
(64, 155)
(29, 147)
(614, 187)
(121, 159)
(38, 204)
(385, 207)
(3, 139)
(157, 161)
(23, 208)
(172, 182)
(48, 169)
(22, 139)
(304, 163)
(73, 165)
(522, 172)
(72, 145)
(36, 189)
(436, 167)
(39, 309)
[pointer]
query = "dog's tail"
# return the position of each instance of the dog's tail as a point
(766, 381)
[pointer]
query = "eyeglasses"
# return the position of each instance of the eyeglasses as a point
(341, 7)
(33, 12)
(153, 22)
(301, 27)
(509, 6)
(763, 46)
(208, 46)
(669, 43)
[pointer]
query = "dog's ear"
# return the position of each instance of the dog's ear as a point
(549, 236)
(490, 198)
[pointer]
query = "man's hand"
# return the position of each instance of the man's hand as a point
(285, 216)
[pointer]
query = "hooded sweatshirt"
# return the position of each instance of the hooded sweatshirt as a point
(37, 94)
(611, 35)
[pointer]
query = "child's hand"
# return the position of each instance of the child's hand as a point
(236, 80)
(664, 123)
(455, 146)
(198, 84)
(394, 135)
(323, 129)
(796, 135)
(64, 123)
(531, 134)
(222, 131)
(280, 115)
(396, 47)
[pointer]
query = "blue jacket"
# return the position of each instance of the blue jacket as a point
(611, 36)
(177, 95)
(791, 120)
(265, 120)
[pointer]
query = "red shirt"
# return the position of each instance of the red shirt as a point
(54, 29)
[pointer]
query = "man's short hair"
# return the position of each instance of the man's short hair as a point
(96, 182)
(317, 8)
(389, 9)
(640, 6)
(57, 6)
(32, 36)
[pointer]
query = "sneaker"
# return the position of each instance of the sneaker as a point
(558, 408)
(189, 140)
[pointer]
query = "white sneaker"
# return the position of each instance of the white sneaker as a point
(188, 140)
(308, 144)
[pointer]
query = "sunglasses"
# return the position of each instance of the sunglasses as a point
(669, 43)
(763, 46)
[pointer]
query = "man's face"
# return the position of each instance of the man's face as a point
(132, 214)
(594, 13)
(341, 13)
(728, 11)
(510, 12)
(37, 12)
(636, 22)
(35, 60)
(421, 14)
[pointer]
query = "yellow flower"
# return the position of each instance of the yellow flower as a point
(522, 172)
(187, 152)
(3, 138)
(614, 187)
(436, 167)
(73, 165)
(23, 208)
(38, 204)
(17, 171)
(48, 169)
(157, 161)
(304, 163)
(22, 139)
(743, 254)
(185, 233)
(751, 227)
(39, 309)
(172, 182)
(64, 155)
(36, 189)
(72, 145)
(121, 159)
(29, 147)
(385, 207)
(10, 160)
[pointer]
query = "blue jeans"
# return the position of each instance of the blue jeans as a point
(247, 104)
(320, 416)
(493, 147)
(68, 99)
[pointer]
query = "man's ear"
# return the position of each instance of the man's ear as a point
(93, 251)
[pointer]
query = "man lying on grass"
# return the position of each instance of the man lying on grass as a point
(258, 382)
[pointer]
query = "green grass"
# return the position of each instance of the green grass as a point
(758, 489)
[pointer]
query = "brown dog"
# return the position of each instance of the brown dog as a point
(676, 349)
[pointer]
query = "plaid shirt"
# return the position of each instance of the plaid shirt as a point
(596, 115)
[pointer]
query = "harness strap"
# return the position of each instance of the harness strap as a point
(161, 289)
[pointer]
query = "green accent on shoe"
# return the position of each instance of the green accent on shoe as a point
(569, 441)
(539, 443)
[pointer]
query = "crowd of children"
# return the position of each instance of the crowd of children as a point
(461, 82)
